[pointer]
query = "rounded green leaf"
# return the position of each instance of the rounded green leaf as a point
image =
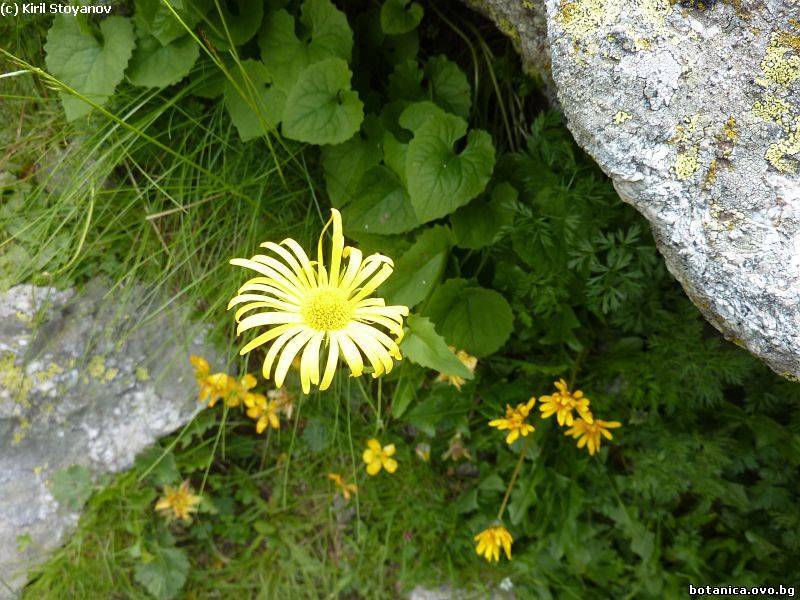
(418, 270)
(477, 224)
(423, 346)
(449, 87)
(381, 206)
(226, 26)
(400, 16)
(471, 318)
(321, 108)
(154, 65)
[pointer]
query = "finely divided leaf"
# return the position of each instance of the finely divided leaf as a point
(90, 67)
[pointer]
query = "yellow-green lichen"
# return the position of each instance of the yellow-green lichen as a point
(730, 131)
(621, 117)
(687, 163)
(528, 4)
(25, 318)
(110, 374)
(15, 380)
(51, 371)
(142, 374)
(777, 154)
(97, 367)
(711, 176)
(781, 63)
(582, 18)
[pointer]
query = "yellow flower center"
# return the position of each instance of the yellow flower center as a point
(327, 309)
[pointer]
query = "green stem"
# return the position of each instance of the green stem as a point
(514, 476)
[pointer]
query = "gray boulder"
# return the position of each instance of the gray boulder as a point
(694, 113)
(89, 380)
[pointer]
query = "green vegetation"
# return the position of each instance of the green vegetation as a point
(193, 131)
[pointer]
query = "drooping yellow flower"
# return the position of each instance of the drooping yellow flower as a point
(562, 402)
(264, 413)
(377, 457)
(318, 312)
(467, 360)
(284, 401)
(456, 450)
(347, 489)
(178, 503)
(515, 421)
(490, 541)
(423, 451)
(216, 386)
(588, 433)
(201, 367)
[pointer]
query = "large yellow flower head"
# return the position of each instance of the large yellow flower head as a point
(319, 312)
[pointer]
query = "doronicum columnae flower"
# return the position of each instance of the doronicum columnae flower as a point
(562, 402)
(467, 360)
(347, 489)
(319, 312)
(490, 540)
(178, 503)
(515, 421)
(589, 433)
(377, 457)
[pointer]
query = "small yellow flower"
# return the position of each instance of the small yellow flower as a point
(588, 433)
(264, 413)
(468, 361)
(347, 489)
(319, 313)
(514, 421)
(201, 367)
(376, 457)
(216, 386)
(490, 541)
(562, 402)
(457, 450)
(178, 503)
(423, 451)
(240, 391)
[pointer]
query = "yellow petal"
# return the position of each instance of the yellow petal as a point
(374, 467)
(390, 465)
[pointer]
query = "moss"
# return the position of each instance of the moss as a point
(142, 374)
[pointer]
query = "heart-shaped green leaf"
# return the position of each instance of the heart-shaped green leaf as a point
(478, 223)
(90, 67)
(440, 180)
(321, 108)
(400, 16)
(254, 105)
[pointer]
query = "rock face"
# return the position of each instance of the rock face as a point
(83, 380)
(695, 115)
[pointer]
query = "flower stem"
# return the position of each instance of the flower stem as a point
(514, 476)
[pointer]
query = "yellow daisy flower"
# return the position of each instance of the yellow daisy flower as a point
(347, 489)
(318, 312)
(178, 503)
(562, 402)
(514, 421)
(588, 433)
(490, 541)
(377, 457)
(467, 360)
(264, 413)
